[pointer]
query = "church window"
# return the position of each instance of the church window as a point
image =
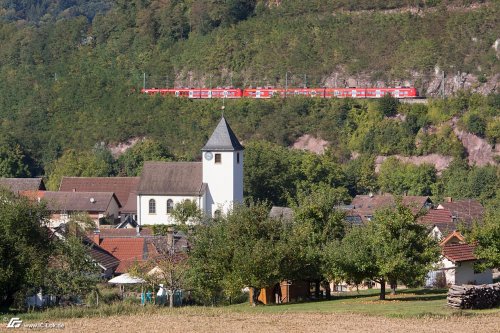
(152, 206)
(170, 206)
(238, 158)
(218, 158)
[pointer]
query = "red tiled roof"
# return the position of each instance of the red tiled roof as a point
(466, 210)
(459, 252)
(436, 216)
(366, 205)
(22, 184)
(125, 265)
(100, 255)
(125, 248)
(125, 232)
(78, 201)
(120, 186)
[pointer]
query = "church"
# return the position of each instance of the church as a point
(215, 184)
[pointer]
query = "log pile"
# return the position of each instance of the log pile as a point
(474, 297)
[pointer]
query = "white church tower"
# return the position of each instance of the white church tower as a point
(222, 169)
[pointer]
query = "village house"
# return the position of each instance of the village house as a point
(456, 265)
(449, 215)
(363, 207)
(102, 207)
(124, 189)
(102, 258)
(138, 246)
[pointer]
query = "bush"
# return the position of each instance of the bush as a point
(388, 105)
(475, 124)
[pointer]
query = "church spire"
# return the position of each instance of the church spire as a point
(223, 139)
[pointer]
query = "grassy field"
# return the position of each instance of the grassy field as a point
(408, 311)
(411, 303)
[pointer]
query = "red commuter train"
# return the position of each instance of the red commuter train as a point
(269, 92)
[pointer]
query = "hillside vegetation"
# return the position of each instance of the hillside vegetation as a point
(70, 74)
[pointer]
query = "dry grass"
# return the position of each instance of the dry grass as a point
(222, 321)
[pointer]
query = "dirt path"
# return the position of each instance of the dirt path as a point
(285, 322)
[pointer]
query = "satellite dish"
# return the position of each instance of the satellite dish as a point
(92, 200)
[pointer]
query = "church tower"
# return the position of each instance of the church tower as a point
(222, 169)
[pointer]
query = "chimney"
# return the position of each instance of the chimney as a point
(138, 230)
(448, 199)
(97, 236)
(170, 237)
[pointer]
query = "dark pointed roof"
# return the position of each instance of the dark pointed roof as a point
(223, 139)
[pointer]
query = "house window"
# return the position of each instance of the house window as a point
(238, 158)
(170, 206)
(152, 206)
(218, 158)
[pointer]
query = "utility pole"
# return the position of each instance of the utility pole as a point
(144, 80)
(55, 76)
(442, 85)
(286, 83)
(305, 80)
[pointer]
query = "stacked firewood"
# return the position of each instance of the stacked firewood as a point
(474, 297)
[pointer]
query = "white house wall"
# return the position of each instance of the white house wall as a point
(225, 181)
(449, 270)
(161, 216)
(465, 274)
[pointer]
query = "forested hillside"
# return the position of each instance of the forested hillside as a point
(71, 71)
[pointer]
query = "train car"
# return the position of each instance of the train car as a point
(309, 92)
(221, 93)
(345, 93)
(403, 92)
(263, 92)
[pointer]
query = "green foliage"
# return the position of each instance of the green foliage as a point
(24, 247)
(78, 164)
(269, 172)
(399, 178)
(487, 236)
(461, 181)
(360, 175)
(443, 142)
(475, 124)
(73, 273)
(13, 160)
(391, 248)
(350, 259)
(493, 131)
(130, 163)
(388, 105)
(187, 211)
(235, 251)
